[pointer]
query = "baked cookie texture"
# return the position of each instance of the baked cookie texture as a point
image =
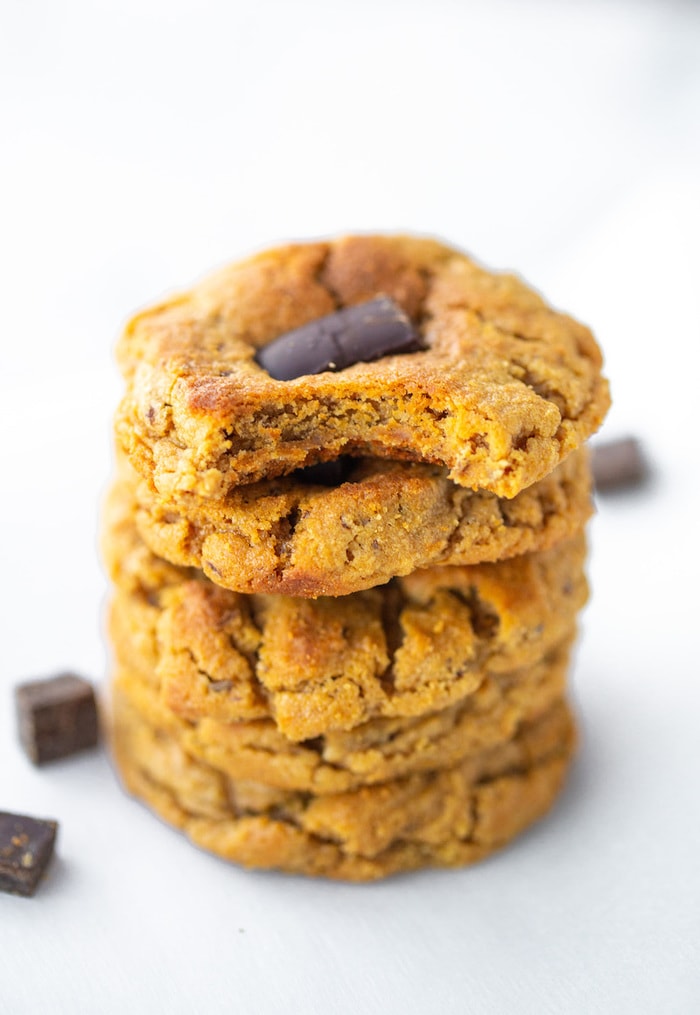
(377, 750)
(504, 390)
(418, 644)
(445, 818)
(361, 671)
(388, 519)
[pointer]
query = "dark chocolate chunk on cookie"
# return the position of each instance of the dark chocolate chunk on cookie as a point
(56, 717)
(355, 334)
(331, 473)
(26, 846)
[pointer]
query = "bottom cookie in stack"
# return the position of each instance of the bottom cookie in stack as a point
(444, 817)
(421, 723)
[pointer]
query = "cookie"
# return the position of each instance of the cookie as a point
(384, 520)
(376, 751)
(502, 389)
(446, 818)
(415, 645)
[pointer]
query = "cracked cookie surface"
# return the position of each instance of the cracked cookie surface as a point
(376, 751)
(387, 519)
(504, 389)
(448, 818)
(416, 645)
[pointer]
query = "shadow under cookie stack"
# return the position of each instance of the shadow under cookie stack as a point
(346, 539)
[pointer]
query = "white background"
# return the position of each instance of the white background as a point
(144, 143)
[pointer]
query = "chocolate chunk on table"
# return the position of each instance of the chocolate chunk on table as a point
(618, 464)
(357, 334)
(56, 717)
(26, 846)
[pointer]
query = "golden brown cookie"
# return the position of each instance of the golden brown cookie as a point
(447, 818)
(376, 751)
(416, 645)
(387, 519)
(503, 390)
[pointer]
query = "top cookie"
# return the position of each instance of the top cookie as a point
(501, 390)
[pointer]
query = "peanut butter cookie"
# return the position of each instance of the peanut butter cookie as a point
(447, 818)
(384, 520)
(376, 751)
(416, 645)
(500, 390)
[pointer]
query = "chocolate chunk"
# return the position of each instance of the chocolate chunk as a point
(326, 473)
(56, 717)
(357, 334)
(220, 685)
(618, 464)
(26, 846)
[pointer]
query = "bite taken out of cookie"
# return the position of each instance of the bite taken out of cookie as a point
(418, 354)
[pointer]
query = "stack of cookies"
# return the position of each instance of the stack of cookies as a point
(346, 539)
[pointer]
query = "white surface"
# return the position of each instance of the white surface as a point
(145, 143)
